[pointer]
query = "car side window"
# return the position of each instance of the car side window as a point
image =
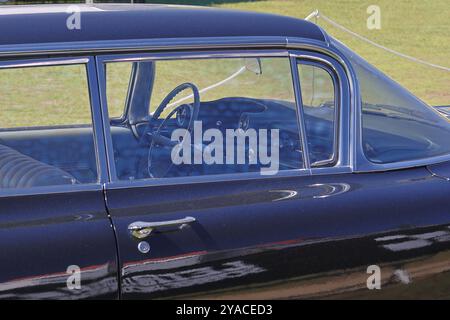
(209, 116)
(319, 108)
(46, 134)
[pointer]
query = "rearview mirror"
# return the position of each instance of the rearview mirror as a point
(253, 65)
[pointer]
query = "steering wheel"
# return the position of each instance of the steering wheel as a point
(159, 168)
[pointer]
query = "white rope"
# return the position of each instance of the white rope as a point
(316, 14)
(215, 85)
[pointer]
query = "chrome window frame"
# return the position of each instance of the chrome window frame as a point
(343, 84)
(95, 49)
(91, 81)
(184, 55)
(330, 69)
(342, 158)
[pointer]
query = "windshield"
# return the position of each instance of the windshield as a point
(396, 125)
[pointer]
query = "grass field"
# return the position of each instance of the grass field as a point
(417, 28)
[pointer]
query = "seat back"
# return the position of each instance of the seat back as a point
(20, 171)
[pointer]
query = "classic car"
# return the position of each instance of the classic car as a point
(153, 151)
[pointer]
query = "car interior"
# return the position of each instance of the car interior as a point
(64, 155)
(55, 156)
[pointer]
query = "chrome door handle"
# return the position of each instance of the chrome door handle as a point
(141, 230)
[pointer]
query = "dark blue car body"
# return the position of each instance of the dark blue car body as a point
(308, 233)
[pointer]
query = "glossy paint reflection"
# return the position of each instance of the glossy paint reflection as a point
(283, 237)
(42, 235)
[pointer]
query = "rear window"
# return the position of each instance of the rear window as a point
(396, 125)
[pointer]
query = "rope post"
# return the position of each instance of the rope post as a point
(314, 14)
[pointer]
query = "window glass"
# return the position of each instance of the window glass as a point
(318, 97)
(46, 135)
(117, 80)
(43, 96)
(245, 119)
(396, 126)
(273, 83)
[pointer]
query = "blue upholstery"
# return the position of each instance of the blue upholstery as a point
(69, 149)
(20, 171)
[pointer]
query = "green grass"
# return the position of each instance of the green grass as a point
(417, 28)
(274, 83)
(44, 96)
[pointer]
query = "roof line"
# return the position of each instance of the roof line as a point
(104, 46)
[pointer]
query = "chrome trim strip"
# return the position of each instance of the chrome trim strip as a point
(331, 170)
(37, 191)
(41, 63)
(373, 167)
(202, 54)
(124, 184)
(139, 45)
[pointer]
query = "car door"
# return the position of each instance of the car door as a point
(56, 238)
(310, 229)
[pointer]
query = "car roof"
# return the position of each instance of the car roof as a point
(48, 23)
